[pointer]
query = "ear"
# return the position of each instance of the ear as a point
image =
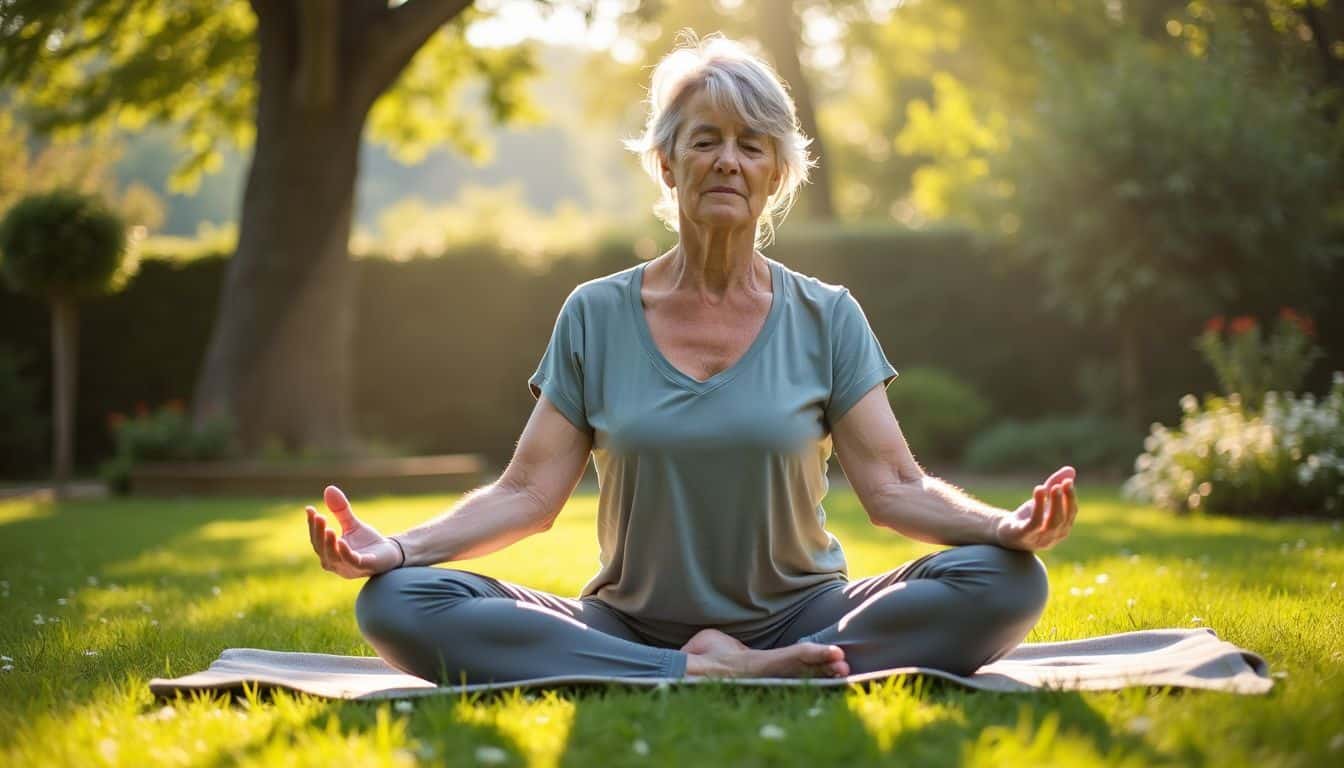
(668, 178)
(775, 181)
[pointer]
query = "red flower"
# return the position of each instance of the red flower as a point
(141, 409)
(1215, 324)
(115, 420)
(1242, 324)
(1303, 323)
(173, 406)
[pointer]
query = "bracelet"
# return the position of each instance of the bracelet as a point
(403, 550)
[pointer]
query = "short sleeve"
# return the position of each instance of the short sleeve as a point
(857, 361)
(560, 373)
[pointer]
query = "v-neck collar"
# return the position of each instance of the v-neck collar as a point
(675, 374)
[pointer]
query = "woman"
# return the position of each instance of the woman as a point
(709, 386)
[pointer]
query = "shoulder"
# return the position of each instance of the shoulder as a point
(813, 295)
(606, 293)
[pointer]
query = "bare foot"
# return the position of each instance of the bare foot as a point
(711, 653)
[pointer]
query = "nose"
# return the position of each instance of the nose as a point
(727, 161)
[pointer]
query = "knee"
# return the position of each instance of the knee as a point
(379, 606)
(1019, 586)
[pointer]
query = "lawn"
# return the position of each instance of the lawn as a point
(96, 597)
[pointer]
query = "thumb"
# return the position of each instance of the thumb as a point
(340, 507)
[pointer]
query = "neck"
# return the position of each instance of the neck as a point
(715, 261)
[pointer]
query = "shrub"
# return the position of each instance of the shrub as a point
(938, 412)
(23, 430)
(1085, 442)
(1286, 460)
(163, 435)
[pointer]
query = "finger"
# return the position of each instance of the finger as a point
(1057, 510)
(1037, 508)
(320, 532)
(329, 549)
(1071, 499)
(1060, 475)
(340, 507)
(312, 527)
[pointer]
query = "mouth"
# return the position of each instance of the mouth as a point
(723, 191)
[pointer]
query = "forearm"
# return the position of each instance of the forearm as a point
(931, 510)
(485, 520)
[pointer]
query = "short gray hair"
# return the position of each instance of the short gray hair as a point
(736, 81)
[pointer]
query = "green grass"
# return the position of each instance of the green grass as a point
(159, 588)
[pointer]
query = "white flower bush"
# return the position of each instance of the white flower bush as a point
(1288, 459)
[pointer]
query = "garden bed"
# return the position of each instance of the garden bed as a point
(446, 473)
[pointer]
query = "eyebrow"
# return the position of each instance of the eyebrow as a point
(749, 133)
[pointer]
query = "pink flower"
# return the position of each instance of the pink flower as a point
(1242, 324)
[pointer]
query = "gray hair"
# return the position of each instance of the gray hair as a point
(738, 82)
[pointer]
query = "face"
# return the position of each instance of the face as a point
(722, 170)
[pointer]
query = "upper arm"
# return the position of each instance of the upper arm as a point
(549, 460)
(872, 451)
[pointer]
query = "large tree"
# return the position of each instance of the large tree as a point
(298, 79)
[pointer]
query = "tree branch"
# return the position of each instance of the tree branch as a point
(393, 40)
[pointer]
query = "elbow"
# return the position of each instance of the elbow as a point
(887, 502)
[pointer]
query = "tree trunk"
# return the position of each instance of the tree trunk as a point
(278, 361)
(64, 378)
(778, 24)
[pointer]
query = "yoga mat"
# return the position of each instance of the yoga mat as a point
(1183, 658)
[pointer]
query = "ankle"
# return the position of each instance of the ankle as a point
(701, 665)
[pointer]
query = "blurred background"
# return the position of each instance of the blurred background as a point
(350, 226)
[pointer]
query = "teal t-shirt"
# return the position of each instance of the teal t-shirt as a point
(709, 511)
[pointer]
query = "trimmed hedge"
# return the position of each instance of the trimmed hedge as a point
(444, 346)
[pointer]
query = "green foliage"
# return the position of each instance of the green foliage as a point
(1250, 366)
(1153, 183)
(1286, 460)
(938, 412)
(1085, 442)
(193, 65)
(63, 243)
(165, 434)
(23, 429)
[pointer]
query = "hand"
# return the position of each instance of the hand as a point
(1046, 518)
(360, 550)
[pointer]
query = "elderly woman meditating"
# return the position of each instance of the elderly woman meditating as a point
(709, 385)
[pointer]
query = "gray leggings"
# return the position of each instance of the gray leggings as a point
(954, 610)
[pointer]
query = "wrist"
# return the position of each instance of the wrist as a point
(400, 548)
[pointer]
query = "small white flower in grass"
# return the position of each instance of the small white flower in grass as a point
(813, 712)
(641, 747)
(7, 668)
(1130, 602)
(239, 615)
(404, 706)
(92, 581)
(167, 713)
(153, 622)
(215, 590)
(1280, 675)
(90, 652)
(38, 620)
(772, 732)
(1139, 724)
(1102, 578)
(1203, 575)
(61, 601)
(102, 619)
(491, 756)
(6, 658)
(54, 619)
(1337, 743)
(1087, 591)
(1075, 591)
(1196, 620)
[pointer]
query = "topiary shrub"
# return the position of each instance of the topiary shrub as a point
(937, 411)
(63, 246)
